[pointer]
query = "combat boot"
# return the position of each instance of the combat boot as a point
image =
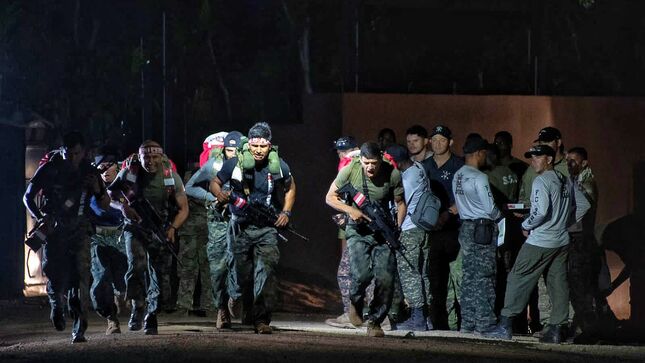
(234, 306)
(416, 321)
(113, 326)
(78, 334)
(503, 330)
(354, 316)
(58, 319)
(342, 321)
(150, 324)
(263, 328)
(135, 319)
(374, 330)
(223, 319)
(553, 334)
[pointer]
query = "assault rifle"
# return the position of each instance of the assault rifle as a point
(381, 220)
(152, 224)
(262, 215)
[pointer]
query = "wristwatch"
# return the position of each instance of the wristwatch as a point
(286, 213)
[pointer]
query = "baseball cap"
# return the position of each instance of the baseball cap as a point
(474, 144)
(549, 134)
(398, 152)
(441, 130)
(344, 143)
(107, 154)
(540, 150)
(233, 139)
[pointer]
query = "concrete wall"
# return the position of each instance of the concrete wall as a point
(611, 129)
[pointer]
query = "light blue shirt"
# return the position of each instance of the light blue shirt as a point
(473, 196)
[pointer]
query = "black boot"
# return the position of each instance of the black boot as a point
(503, 329)
(58, 318)
(150, 324)
(136, 318)
(78, 334)
(552, 335)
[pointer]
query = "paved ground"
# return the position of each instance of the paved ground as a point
(27, 336)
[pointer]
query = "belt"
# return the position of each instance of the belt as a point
(108, 230)
(479, 220)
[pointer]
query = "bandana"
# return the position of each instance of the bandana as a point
(151, 150)
(259, 141)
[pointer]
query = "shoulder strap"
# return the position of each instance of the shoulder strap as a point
(366, 191)
(417, 188)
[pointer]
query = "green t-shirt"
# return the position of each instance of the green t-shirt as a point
(385, 184)
(504, 181)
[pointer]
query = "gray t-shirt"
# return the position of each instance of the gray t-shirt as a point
(415, 182)
(473, 196)
(552, 210)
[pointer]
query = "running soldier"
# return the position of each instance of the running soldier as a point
(147, 175)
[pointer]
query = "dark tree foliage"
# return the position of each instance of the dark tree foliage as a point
(98, 65)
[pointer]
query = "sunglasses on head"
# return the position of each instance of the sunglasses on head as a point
(103, 167)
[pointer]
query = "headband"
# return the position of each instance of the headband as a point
(259, 141)
(151, 150)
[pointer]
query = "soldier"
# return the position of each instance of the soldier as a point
(217, 247)
(66, 182)
(444, 264)
(347, 149)
(267, 181)
(386, 137)
(504, 142)
(109, 261)
(551, 137)
(584, 252)
(412, 263)
(478, 239)
(369, 256)
(148, 175)
(545, 251)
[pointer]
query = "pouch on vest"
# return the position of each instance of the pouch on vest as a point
(483, 234)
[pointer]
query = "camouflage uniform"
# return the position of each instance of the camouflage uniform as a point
(109, 264)
(193, 256)
(66, 263)
(478, 287)
(453, 305)
(370, 259)
(414, 282)
(218, 257)
(344, 278)
(66, 253)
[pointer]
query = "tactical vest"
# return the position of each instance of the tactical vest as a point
(275, 177)
(132, 167)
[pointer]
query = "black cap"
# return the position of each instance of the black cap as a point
(398, 152)
(549, 134)
(345, 143)
(441, 130)
(107, 154)
(474, 144)
(540, 150)
(233, 139)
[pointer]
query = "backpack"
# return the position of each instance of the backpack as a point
(426, 213)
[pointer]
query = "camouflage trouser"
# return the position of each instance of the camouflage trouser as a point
(66, 263)
(369, 260)
(218, 258)
(414, 279)
(256, 255)
(193, 256)
(109, 264)
(344, 278)
(478, 285)
(141, 278)
(453, 298)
